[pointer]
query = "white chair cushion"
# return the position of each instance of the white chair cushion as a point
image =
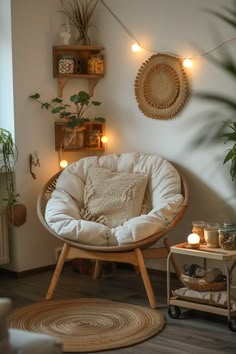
(163, 196)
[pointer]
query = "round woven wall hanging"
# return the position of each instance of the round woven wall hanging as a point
(161, 86)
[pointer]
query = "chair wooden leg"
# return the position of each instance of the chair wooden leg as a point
(145, 278)
(173, 259)
(57, 271)
(96, 270)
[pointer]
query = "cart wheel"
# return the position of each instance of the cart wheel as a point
(232, 325)
(174, 311)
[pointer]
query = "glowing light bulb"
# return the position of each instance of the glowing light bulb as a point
(63, 163)
(194, 240)
(104, 139)
(135, 47)
(187, 63)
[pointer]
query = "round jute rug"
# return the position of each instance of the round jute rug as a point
(89, 325)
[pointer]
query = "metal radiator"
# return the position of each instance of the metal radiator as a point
(4, 239)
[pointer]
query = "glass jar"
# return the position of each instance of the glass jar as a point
(66, 64)
(198, 228)
(211, 234)
(93, 139)
(227, 237)
(213, 225)
(96, 64)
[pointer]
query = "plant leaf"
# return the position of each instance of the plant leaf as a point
(35, 96)
(233, 169)
(57, 100)
(223, 17)
(57, 109)
(216, 98)
(84, 97)
(96, 103)
(45, 105)
(229, 156)
(75, 99)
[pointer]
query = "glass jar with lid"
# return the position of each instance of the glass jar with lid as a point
(198, 228)
(227, 237)
(96, 64)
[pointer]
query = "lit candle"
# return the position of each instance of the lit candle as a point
(193, 241)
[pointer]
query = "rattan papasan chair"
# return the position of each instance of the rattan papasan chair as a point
(114, 208)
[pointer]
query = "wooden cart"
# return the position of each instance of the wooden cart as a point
(228, 259)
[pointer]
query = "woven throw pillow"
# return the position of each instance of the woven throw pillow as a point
(112, 198)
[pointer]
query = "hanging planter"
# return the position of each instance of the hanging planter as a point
(16, 214)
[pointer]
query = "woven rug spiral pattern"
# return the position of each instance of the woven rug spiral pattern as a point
(89, 325)
(162, 86)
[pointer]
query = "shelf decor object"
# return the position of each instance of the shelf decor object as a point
(79, 15)
(199, 284)
(66, 64)
(161, 86)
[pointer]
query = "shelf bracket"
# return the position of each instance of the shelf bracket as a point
(92, 83)
(60, 85)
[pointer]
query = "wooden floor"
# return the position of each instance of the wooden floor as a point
(193, 333)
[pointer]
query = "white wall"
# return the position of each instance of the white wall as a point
(175, 26)
(183, 28)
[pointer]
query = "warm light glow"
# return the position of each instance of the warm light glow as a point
(63, 163)
(135, 47)
(104, 139)
(193, 239)
(187, 63)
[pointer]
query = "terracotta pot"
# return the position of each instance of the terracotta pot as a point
(17, 214)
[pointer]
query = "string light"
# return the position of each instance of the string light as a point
(187, 60)
(104, 139)
(187, 63)
(135, 48)
(63, 163)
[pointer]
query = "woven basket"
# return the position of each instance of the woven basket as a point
(199, 284)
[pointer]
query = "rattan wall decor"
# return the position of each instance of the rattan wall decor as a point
(162, 86)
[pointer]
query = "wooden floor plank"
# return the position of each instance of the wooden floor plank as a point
(193, 333)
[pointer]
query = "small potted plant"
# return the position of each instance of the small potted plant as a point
(74, 119)
(16, 212)
(79, 14)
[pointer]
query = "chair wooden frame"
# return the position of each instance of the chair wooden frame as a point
(133, 253)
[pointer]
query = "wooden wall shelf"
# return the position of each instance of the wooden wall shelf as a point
(71, 62)
(89, 139)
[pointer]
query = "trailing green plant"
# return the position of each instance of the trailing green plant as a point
(79, 14)
(16, 212)
(231, 155)
(9, 154)
(226, 129)
(81, 101)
